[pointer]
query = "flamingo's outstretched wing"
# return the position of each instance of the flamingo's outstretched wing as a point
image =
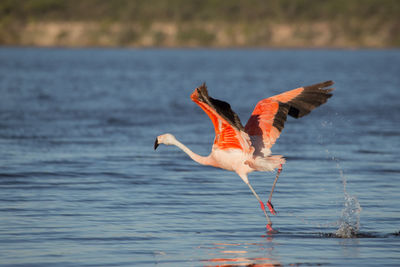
(269, 115)
(229, 131)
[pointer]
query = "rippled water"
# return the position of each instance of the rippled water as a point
(81, 184)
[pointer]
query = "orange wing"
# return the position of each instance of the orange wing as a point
(229, 131)
(269, 115)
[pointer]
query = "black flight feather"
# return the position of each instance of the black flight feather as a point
(221, 107)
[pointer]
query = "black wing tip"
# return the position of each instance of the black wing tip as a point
(328, 83)
(202, 88)
(203, 92)
(328, 90)
(321, 86)
(312, 97)
(221, 107)
(320, 89)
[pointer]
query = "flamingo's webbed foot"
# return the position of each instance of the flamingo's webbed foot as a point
(270, 229)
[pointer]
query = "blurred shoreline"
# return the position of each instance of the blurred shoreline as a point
(205, 23)
(173, 35)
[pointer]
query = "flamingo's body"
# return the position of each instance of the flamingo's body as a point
(247, 149)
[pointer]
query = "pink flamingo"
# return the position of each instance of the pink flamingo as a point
(247, 149)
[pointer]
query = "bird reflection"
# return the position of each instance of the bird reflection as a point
(237, 255)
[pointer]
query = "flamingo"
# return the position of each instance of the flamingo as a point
(247, 149)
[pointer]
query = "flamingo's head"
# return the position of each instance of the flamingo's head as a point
(166, 139)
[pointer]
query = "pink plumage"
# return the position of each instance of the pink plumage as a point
(244, 149)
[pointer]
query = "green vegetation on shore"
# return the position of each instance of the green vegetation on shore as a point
(218, 23)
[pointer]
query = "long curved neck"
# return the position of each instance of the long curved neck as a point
(199, 159)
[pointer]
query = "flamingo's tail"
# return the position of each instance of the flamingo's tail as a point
(269, 163)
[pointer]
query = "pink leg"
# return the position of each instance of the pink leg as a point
(269, 225)
(269, 204)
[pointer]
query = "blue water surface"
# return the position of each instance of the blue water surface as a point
(82, 186)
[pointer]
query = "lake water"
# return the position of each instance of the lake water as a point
(82, 186)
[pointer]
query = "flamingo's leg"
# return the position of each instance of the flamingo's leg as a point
(269, 204)
(269, 225)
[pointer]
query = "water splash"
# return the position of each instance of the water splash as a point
(349, 223)
(350, 219)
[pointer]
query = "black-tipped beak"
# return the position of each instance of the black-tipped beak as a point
(156, 144)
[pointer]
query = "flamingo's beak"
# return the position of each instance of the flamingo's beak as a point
(156, 144)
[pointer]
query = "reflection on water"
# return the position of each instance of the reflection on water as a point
(350, 247)
(236, 254)
(243, 262)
